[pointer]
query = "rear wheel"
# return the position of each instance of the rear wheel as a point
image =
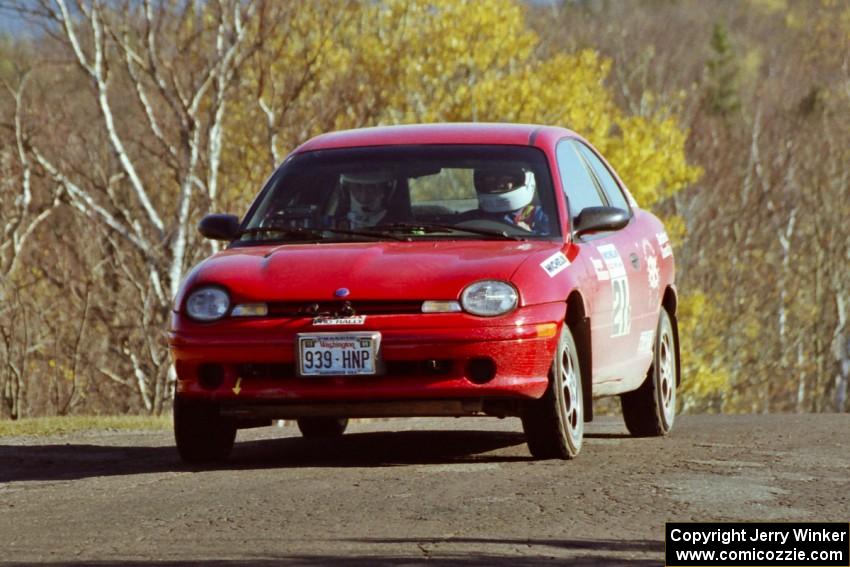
(202, 435)
(650, 410)
(554, 424)
(316, 427)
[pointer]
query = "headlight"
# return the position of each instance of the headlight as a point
(489, 298)
(207, 304)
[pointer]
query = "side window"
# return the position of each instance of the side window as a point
(609, 184)
(579, 186)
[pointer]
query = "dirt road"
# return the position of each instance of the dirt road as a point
(406, 492)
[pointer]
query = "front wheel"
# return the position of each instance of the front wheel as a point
(650, 410)
(554, 424)
(202, 435)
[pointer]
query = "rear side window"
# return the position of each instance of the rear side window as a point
(579, 186)
(609, 184)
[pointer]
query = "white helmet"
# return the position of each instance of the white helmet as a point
(503, 191)
(370, 193)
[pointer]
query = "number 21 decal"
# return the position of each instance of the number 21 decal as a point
(621, 308)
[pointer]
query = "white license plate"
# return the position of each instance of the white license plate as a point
(338, 354)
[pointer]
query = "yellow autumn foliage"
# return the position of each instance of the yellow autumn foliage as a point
(705, 382)
(345, 65)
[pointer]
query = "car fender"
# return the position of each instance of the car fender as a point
(660, 241)
(559, 275)
(550, 276)
(187, 284)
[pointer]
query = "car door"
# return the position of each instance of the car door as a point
(643, 251)
(615, 277)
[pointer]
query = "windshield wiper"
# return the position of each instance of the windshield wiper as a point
(431, 228)
(307, 233)
(314, 233)
(368, 232)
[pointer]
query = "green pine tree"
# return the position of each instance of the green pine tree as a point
(723, 73)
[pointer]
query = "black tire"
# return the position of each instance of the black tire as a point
(650, 410)
(318, 427)
(554, 424)
(202, 435)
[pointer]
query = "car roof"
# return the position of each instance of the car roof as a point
(446, 133)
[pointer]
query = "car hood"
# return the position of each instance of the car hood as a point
(370, 271)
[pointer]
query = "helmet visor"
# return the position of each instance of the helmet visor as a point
(495, 181)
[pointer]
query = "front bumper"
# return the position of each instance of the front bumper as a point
(426, 359)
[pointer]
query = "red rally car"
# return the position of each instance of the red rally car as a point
(430, 270)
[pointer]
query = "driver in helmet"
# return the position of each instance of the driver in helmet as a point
(369, 195)
(506, 195)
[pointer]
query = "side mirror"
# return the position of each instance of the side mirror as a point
(598, 219)
(219, 227)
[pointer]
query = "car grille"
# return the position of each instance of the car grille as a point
(343, 308)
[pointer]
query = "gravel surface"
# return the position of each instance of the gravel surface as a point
(412, 491)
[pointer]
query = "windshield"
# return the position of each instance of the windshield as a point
(407, 192)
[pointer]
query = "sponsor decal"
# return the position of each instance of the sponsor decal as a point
(621, 308)
(601, 272)
(653, 275)
(645, 342)
(334, 321)
(612, 260)
(664, 244)
(652, 270)
(555, 264)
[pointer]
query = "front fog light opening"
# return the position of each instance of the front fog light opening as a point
(481, 370)
(210, 376)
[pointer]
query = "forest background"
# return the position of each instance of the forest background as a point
(123, 122)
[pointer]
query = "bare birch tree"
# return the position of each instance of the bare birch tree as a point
(25, 204)
(160, 75)
(20, 213)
